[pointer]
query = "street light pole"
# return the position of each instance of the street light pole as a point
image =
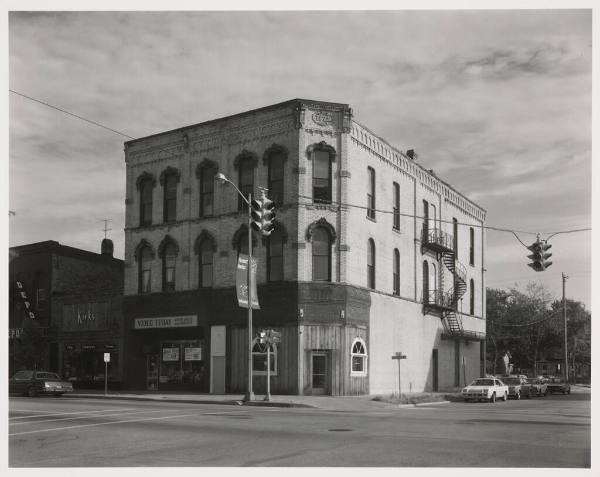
(566, 373)
(221, 178)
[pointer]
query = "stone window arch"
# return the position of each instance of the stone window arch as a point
(322, 156)
(358, 357)
(145, 184)
(168, 251)
(322, 235)
(205, 173)
(205, 248)
(245, 163)
(144, 255)
(239, 241)
(169, 178)
(275, 158)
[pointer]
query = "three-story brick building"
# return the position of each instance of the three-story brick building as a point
(372, 254)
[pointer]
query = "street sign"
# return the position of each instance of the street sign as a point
(107, 357)
(399, 355)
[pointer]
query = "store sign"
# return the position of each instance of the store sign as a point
(193, 354)
(170, 354)
(166, 322)
(86, 316)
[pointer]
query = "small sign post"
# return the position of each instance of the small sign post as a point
(269, 338)
(106, 361)
(399, 356)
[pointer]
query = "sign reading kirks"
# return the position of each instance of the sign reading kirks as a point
(241, 282)
(86, 316)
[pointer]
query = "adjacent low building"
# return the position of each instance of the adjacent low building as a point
(372, 255)
(65, 311)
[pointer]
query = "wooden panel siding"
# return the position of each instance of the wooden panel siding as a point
(286, 381)
(336, 341)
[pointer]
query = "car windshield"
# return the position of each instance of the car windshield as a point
(512, 381)
(44, 375)
(23, 375)
(483, 382)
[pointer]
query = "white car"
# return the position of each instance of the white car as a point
(488, 389)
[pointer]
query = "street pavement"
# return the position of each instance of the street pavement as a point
(159, 430)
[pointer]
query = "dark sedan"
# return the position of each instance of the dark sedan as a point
(32, 383)
(557, 385)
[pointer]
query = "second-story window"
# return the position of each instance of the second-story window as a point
(145, 271)
(170, 198)
(396, 272)
(396, 206)
(425, 221)
(472, 297)
(471, 246)
(275, 180)
(207, 190)
(169, 260)
(371, 264)
(425, 282)
(275, 256)
(321, 177)
(371, 193)
(146, 187)
(246, 181)
(321, 254)
(206, 263)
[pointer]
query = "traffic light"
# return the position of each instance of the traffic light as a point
(539, 256)
(263, 214)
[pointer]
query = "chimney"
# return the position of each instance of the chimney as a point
(107, 247)
(412, 154)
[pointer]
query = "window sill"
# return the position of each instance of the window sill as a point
(397, 231)
(372, 219)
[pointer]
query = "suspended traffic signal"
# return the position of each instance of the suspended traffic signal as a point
(263, 214)
(539, 257)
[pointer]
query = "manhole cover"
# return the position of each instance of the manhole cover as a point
(339, 430)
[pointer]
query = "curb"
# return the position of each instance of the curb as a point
(190, 401)
(420, 404)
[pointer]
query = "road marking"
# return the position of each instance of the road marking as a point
(50, 413)
(99, 424)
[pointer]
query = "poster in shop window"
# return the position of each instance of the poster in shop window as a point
(193, 354)
(170, 354)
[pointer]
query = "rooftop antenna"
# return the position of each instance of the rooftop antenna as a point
(106, 229)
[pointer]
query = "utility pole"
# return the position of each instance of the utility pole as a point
(566, 364)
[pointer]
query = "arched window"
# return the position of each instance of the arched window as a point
(275, 256)
(472, 297)
(169, 258)
(245, 181)
(396, 207)
(321, 254)
(425, 282)
(145, 270)
(259, 358)
(358, 357)
(169, 180)
(371, 193)
(206, 176)
(471, 246)
(275, 157)
(146, 188)
(396, 272)
(205, 259)
(322, 155)
(371, 264)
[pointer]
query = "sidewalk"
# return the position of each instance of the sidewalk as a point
(331, 403)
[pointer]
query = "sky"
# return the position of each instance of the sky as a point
(497, 102)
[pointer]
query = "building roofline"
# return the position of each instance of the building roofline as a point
(52, 246)
(237, 115)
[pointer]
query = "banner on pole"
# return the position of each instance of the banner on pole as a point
(241, 282)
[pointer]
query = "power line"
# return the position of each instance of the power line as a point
(71, 114)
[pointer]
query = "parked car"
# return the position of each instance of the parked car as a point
(485, 389)
(515, 385)
(32, 383)
(558, 385)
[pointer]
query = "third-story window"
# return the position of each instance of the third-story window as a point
(425, 221)
(207, 188)
(471, 246)
(146, 202)
(472, 298)
(396, 272)
(170, 198)
(206, 264)
(169, 259)
(276, 178)
(246, 182)
(321, 176)
(275, 256)
(425, 282)
(455, 233)
(396, 206)
(371, 193)
(145, 270)
(371, 264)
(321, 254)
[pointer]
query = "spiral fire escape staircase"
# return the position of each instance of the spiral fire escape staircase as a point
(443, 302)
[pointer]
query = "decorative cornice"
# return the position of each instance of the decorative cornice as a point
(322, 222)
(205, 235)
(163, 244)
(275, 149)
(145, 176)
(167, 172)
(321, 146)
(206, 164)
(243, 232)
(245, 155)
(140, 246)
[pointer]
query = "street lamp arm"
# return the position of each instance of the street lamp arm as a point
(222, 179)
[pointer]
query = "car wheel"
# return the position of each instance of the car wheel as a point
(31, 391)
(505, 397)
(569, 391)
(518, 395)
(564, 392)
(529, 395)
(466, 400)
(493, 398)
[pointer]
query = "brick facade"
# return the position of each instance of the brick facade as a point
(301, 127)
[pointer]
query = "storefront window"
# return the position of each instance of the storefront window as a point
(181, 364)
(83, 365)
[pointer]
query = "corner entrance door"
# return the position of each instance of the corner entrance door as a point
(152, 364)
(319, 373)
